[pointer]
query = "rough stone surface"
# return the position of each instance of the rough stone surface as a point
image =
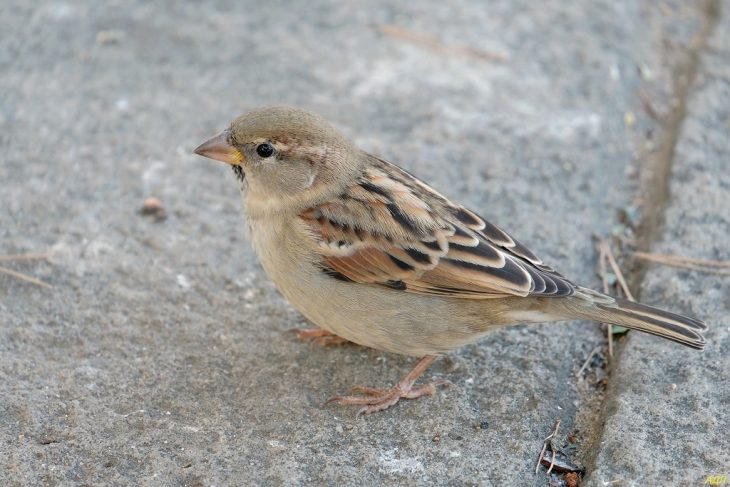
(160, 355)
(667, 418)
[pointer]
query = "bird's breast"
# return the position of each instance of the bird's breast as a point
(369, 315)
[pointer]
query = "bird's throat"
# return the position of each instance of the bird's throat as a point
(238, 171)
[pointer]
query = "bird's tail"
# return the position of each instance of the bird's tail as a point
(590, 304)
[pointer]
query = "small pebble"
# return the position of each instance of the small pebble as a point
(182, 281)
(646, 73)
(153, 207)
(122, 104)
(105, 37)
(629, 119)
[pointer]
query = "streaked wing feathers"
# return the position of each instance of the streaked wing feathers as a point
(391, 229)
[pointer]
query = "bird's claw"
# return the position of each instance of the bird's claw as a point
(374, 400)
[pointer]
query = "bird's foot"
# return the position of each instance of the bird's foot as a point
(374, 400)
(319, 336)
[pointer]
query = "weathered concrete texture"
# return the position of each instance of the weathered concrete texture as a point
(160, 355)
(667, 420)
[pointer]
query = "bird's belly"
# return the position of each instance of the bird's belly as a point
(382, 318)
(370, 315)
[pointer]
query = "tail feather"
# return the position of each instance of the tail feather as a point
(616, 311)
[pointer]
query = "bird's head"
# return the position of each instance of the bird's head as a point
(283, 153)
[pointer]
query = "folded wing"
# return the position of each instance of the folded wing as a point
(391, 229)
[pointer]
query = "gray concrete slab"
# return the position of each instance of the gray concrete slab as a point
(667, 420)
(160, 355)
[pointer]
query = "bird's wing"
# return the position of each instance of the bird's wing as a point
(391, 229)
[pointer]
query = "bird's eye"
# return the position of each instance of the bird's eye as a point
(265, 149)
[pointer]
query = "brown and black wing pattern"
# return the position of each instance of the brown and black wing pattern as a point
(393, 230)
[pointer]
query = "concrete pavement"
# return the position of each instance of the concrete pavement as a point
(160, 356)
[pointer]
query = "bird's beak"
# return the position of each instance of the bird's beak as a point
(220, 149)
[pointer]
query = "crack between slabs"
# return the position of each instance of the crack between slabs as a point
(654, 187)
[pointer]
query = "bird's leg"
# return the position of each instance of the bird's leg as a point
(319, 336)
(374, 400)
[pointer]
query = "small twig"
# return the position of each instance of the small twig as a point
(702, 265)
(602, 269)
(548, 441)
(602, 265)
(26, 256)
(24, 277)
(647, 105)
(552, 462)
(552, 446)
(664, 258)
(539, 459)
(590, 356)
(434, 44)
(617, 270)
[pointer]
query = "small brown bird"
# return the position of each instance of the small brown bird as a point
(375, 256)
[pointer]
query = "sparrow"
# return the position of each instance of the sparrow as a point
(375, 256)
